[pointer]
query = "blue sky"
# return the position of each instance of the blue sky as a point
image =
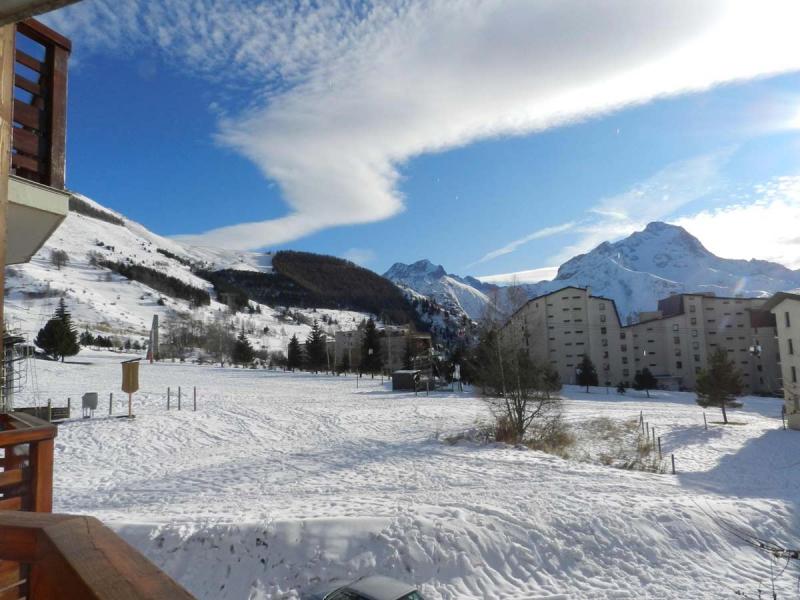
(335, 130)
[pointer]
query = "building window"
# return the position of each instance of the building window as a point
(786, 317)
(794, 375)
(604, 342)
(692, 308)
(696, 358)
(602, 318)
(678, 364)
(626, 372)
(694, 332)
(677, 352)
(693, 321)
(605, 353)
(697, 370)
(676, 339)
(603, 331)
(674, 327)
(624, 360)
(695, 345)
(602, 306)
(623, 347)
(791, 346)
(622, 335)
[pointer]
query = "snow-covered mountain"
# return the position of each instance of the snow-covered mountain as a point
(636, 272)
(461, 296)
(661, 260)
(106, 303)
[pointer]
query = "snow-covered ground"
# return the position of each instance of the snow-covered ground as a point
(281, 483)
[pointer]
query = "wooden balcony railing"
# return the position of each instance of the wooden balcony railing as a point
(76, 558)
(40, 104)
(26, 458)
(44, 556)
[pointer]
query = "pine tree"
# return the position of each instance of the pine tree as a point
(294, 359)
(58, 337)
(242, 353)
(720, 383)
(316, 349)
(645, 380)
(371, 360)
(587, 374)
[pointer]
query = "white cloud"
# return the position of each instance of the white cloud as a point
(360, 256)
(529, 276)
(764, 227)
(512, 246)
(348, 94)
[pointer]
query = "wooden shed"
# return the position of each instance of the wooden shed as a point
(405, 379)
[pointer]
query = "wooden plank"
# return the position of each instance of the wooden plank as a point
(12, 503)
(22, 436)
(27, 60)
(27, 85)
(58, 117)
(39, 32)
(27, 142)
(7, 33)
(13, 477)
(41, 483)
(97, 563)
(27, 115)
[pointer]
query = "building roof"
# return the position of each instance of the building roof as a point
(558, 291)
(378, 587)
(778, 298)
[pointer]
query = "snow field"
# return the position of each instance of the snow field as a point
(281, 484)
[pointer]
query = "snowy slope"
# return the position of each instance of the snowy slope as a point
(459, 295)
(661, 260)
(281, 484)
(106, 303)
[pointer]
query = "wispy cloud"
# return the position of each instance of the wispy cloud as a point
(343, 93)
(512, 246)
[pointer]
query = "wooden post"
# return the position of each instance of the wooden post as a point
(41, 469)
(704, 420)
(673, 464)
(130, 405)
(49, 410)
(783, 416)
(69, 407)
(167, 398)
(6, 102)
(194, 397)
(179, 397)
(110, 402)
(659, 448)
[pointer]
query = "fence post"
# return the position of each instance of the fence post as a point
(654, 436)
(673, 464)
(110, 402)
(194, 397)
(49, 410)
(783, 416)
(705, 422)
(660, 457)
(69, 407)
(168, 390)
(179, 397)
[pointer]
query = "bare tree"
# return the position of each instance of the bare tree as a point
(521, 394)
(59, 258)
(516, 296)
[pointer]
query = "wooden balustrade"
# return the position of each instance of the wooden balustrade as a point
(40, 105)
(76, 558)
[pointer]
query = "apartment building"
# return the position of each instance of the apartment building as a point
(673, 342)
(560, 327)
(786, 310)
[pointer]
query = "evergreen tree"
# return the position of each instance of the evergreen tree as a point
(645, 380)
(371, 360)
(294, 359)
(242, 353)
(58, 337)
(316, 349)
(87, 339)
(720, 383)
(587, 374)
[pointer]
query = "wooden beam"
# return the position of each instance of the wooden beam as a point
(7, 34)
(41, 483)
(12, 11)
(58, 118)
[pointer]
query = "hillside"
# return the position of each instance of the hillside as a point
(103, 247)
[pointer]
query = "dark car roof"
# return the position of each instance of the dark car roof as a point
(378, 587)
